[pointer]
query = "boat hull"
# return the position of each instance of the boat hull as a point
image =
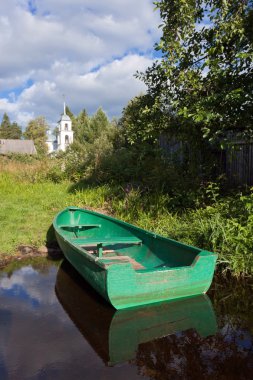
(124, 287)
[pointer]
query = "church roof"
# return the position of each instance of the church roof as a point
(8, 146)
(65, 117)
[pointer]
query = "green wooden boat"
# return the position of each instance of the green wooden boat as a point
(127, 265)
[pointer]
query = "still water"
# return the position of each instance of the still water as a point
(54, 326)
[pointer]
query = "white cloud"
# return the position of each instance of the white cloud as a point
(58, 45)
(111, 87)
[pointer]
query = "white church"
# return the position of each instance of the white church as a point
(64, 135)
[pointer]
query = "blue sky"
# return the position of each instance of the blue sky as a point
(87, 50)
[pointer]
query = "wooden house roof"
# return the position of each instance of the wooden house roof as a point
(8, 146)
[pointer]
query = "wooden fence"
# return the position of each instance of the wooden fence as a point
(236, 163)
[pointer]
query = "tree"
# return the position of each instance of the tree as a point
(81, 126)
(8, 130)
(206, 71)
(143, 120)
(88, 129)
(37, 131)
(99, 123)
(16, 131)
(5, 126)
(95, 139)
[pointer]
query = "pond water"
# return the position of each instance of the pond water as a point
(54, 326)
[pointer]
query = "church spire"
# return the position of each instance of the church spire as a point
(64, 105)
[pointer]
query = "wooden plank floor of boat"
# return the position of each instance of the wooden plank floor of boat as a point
(114, 255)
(135, 264)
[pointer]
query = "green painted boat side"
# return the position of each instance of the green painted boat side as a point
(116, 335)
(127, 265)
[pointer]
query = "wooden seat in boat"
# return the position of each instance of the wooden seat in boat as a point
(86, 241)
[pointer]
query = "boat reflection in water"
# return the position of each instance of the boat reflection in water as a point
(115, 335)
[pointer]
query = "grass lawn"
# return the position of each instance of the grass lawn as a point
(27, 209)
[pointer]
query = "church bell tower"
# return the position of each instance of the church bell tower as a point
(65, 133)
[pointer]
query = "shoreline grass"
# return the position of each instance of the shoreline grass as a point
(30, 202)
(27, 210)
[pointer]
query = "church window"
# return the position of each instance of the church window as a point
(67, 140)
(66, 126)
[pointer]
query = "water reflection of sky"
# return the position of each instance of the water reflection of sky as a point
(25, 284)
(38, 340)
(18, 291)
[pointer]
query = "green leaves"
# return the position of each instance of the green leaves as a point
(143, 119)
(94, 139)
(9, 130)
(206, 72)
(36, 130)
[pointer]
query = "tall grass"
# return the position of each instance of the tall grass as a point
(30, 198)
(225, 227)
(28, 208)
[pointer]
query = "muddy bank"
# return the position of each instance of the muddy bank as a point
(23, 252)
